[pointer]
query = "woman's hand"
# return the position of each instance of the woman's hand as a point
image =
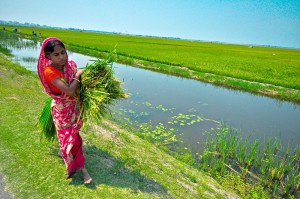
(72, 87)
(78, 73)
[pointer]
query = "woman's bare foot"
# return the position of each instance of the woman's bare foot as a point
(86, 177)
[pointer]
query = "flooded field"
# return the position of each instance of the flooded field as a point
(189, 107)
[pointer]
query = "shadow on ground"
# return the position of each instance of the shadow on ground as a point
(106, 169)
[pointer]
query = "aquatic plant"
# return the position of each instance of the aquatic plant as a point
(271, 165)
(159, 135)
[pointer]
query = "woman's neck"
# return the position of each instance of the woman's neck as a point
(60, 68)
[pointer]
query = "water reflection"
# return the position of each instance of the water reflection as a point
(258, 116)
(13, 41)
(159, 98)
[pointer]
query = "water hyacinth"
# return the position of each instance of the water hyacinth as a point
(98, 89)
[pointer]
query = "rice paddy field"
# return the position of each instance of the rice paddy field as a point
(266, 70)
(257, 170)
(122, 165)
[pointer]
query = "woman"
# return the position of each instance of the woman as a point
(61, 79)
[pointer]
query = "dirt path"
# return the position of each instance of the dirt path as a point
(3, 193)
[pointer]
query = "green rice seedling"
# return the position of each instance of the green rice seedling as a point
(296, 155)
(289, 160)
(271, 147)
(204, 164)
(258, 160)
(208, 154)
(252, 154)
(266, 149)
(46, 122)
(221, 141)
(277, 171)
(263, 168)
(275, 146)
(296, 179)
(218, 167)
(241, 152)
(99, 88)
(275, 188)
(275, 168)
(232, 143)
(270, 163)
(288, 185)
(290, 172)
(292, 181)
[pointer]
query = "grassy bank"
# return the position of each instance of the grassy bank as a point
(121, 164)
(268, 71)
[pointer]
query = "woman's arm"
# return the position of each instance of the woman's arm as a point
(65, 88)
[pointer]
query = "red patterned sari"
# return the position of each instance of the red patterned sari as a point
(65, 113)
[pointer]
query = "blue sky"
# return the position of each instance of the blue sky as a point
(258, 22)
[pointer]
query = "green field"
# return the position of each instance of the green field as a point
(122, 165)
(265, 70)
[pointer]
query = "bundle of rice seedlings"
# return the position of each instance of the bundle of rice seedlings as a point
(99, 88)
(46, 121)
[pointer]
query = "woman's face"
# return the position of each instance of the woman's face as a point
(58, 56)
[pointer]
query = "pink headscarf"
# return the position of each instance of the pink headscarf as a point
(69, 70)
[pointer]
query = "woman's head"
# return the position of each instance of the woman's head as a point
(53, 44)
(56, 52)
(49, 47)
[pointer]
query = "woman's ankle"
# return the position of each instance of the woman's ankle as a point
(86, 176)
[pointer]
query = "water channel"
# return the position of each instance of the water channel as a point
(191, 107)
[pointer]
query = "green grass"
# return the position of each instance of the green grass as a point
(121, 164)
(205, 61)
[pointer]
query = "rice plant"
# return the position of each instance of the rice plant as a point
(273, 166)
(46, 121)
(99, 88)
